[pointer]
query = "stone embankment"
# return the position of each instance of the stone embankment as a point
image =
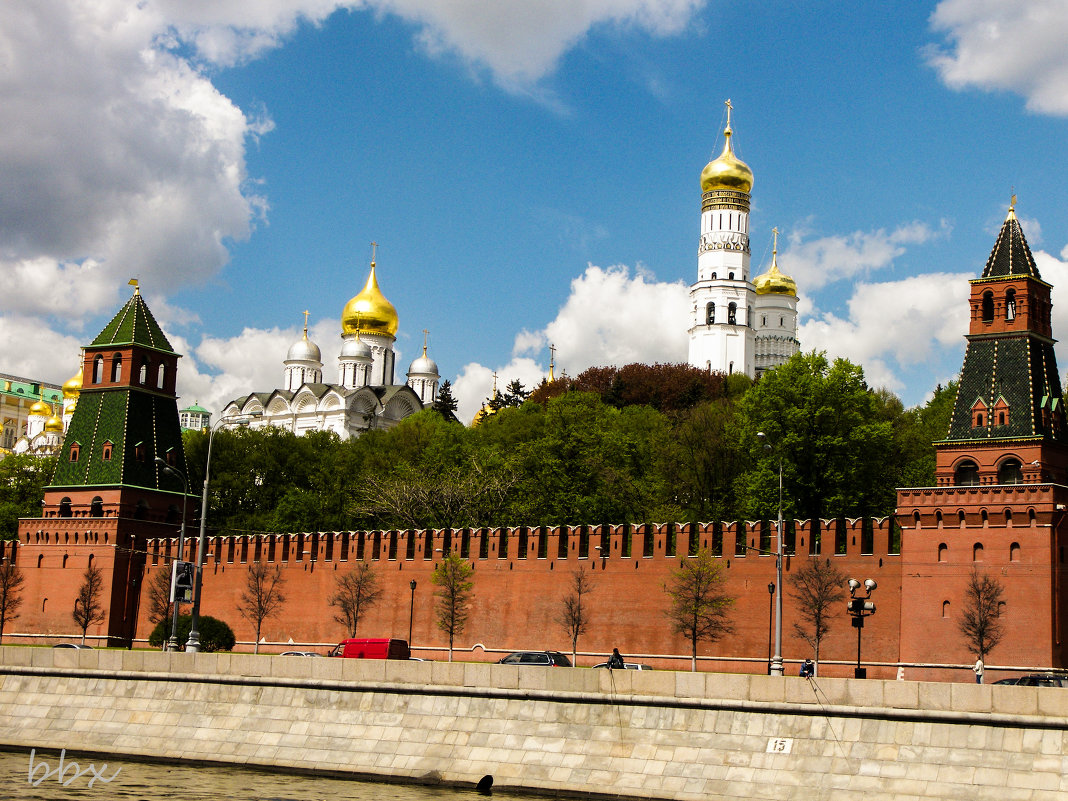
(580, 732)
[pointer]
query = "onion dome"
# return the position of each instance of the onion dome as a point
(356, 348)
(423, 364)
(774, 282)
(73, 385)
(304, 351)
(369, 311)
(41, 408)
(728, 171)
(54, 425)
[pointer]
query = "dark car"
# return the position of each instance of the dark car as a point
(77, 645)
(547, 658)
(1013, 680)
(628, 666)
(1043, 680)
(299, 653)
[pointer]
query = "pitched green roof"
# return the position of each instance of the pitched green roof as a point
(1011, 255)
(134, 325)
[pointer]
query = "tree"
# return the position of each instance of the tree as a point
(22, 481)
(11, 581)
(574, 614)
(980, 624)
(699, 605)
(262, 597)
(355, 593)
(445, 404)
(452, 577)
(215, 635)
(514, 394)
(87, 608)
(816, 589)
(159, 597)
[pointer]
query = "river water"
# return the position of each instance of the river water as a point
(93, 776)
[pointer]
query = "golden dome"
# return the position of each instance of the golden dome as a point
(728, 171)
(774, 282)
(73, 385)
(54, 424)
(369, 311)
(41, 408)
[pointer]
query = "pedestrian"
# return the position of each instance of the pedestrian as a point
(978, 670)
(615, 661)
(807, 669)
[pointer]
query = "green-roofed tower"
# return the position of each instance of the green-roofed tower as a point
(1008, 423)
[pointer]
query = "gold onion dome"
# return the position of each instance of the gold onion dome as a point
(369, 311)
(774, 282)
(41, 408)
(73, 385)
(728, 171)
(54, 425)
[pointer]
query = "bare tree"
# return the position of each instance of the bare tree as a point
(356, 592)
(980, 624)
(698, 603)
(574, 615)
(159, 599)
(11, 580)
(262, 597)
(818, 588)
(87, 608)
(453, 579)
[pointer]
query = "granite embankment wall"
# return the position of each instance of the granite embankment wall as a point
(581, 732)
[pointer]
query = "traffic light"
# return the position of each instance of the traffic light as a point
(181, 581)
(858, 606)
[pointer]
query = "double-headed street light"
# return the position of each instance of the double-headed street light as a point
(776, 660)
(172, 643)
(192, 645)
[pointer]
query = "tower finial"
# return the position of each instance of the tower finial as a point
(137, 289)
(727, 103)
(374, 250)
(552, 359)
(495, 383)
(426, 333)
(305, 323)
(1012, 205)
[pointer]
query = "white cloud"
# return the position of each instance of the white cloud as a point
(1014, 46)
(818, 262)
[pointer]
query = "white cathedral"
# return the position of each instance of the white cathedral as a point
(365, 396)
(736, 325)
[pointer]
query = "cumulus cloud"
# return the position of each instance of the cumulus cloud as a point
(814, 263)
(1014, 46)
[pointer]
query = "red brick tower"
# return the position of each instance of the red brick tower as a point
(108, 495)
(1000, 495)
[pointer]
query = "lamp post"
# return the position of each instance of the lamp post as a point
(192, 645)
(776, 660)
(411, 612)
(859, 608)
(172, 643)
(771, 613)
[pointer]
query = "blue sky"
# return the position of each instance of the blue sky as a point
(529, 171)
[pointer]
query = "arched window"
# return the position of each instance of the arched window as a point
(966, 474)
(943, 550)
(916, 520)
(977, 552)
(713, 276)
(988, 307)
(732, 314)
(96, 509)
(142, 374)
(1010, 472)
(960, 518)
(1010, 305)
(945, 608)
(1008, 517)
(1014, 552)
(116, 367)
(161, 375)
(64, 508)
(978, 419)
(938, 518)
(710, 314)
(98, 369)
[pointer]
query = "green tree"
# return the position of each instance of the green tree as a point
(262, 597)
(445, 404)
(215, 634)
(980, 622)
(22, 482)
(821, 422)
(918, 430)
(452, 577)
(699, 605)
(354, 593)
(514, 394)
(708, 461)
(818, 590)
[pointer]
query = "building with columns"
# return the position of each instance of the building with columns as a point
(737, 325)
(366, 394)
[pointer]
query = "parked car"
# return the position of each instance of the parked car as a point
(77, 645)
(372, 648)
(628, 666)
(299, 653)
(1043, 680)
(547, 658)
(1013, 680)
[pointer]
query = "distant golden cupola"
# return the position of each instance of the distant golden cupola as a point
(774, 282)
(73, 385)
(370, 312)
(41, 408)
(54, 425)
(728, 171)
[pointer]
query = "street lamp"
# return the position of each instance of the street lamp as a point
(411, 612)
(859, 608)
(192, 645)
(776, 661)
(771, 612)
(172, 643)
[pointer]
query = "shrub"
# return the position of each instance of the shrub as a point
(215, 635)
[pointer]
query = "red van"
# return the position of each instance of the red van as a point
(372, 649)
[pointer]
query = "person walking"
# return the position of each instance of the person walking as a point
(978, 670)
(615, 661)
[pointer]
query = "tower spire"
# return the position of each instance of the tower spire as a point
(552, 358)
(305, 323)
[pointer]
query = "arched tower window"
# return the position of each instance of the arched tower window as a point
(732, 314)
(1014, 552)
(142, 374)
(945, 608)
(966, 474)
(943, 550)
(988, 307)
(1010, 305)
(98, 369)
(64, 508)
(116, 367)
(161, 375)
(710, 314)
(1010, 472)
(96, 509)
(977, 552)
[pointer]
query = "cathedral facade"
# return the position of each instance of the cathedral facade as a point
(366, 395)
(737, 325)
